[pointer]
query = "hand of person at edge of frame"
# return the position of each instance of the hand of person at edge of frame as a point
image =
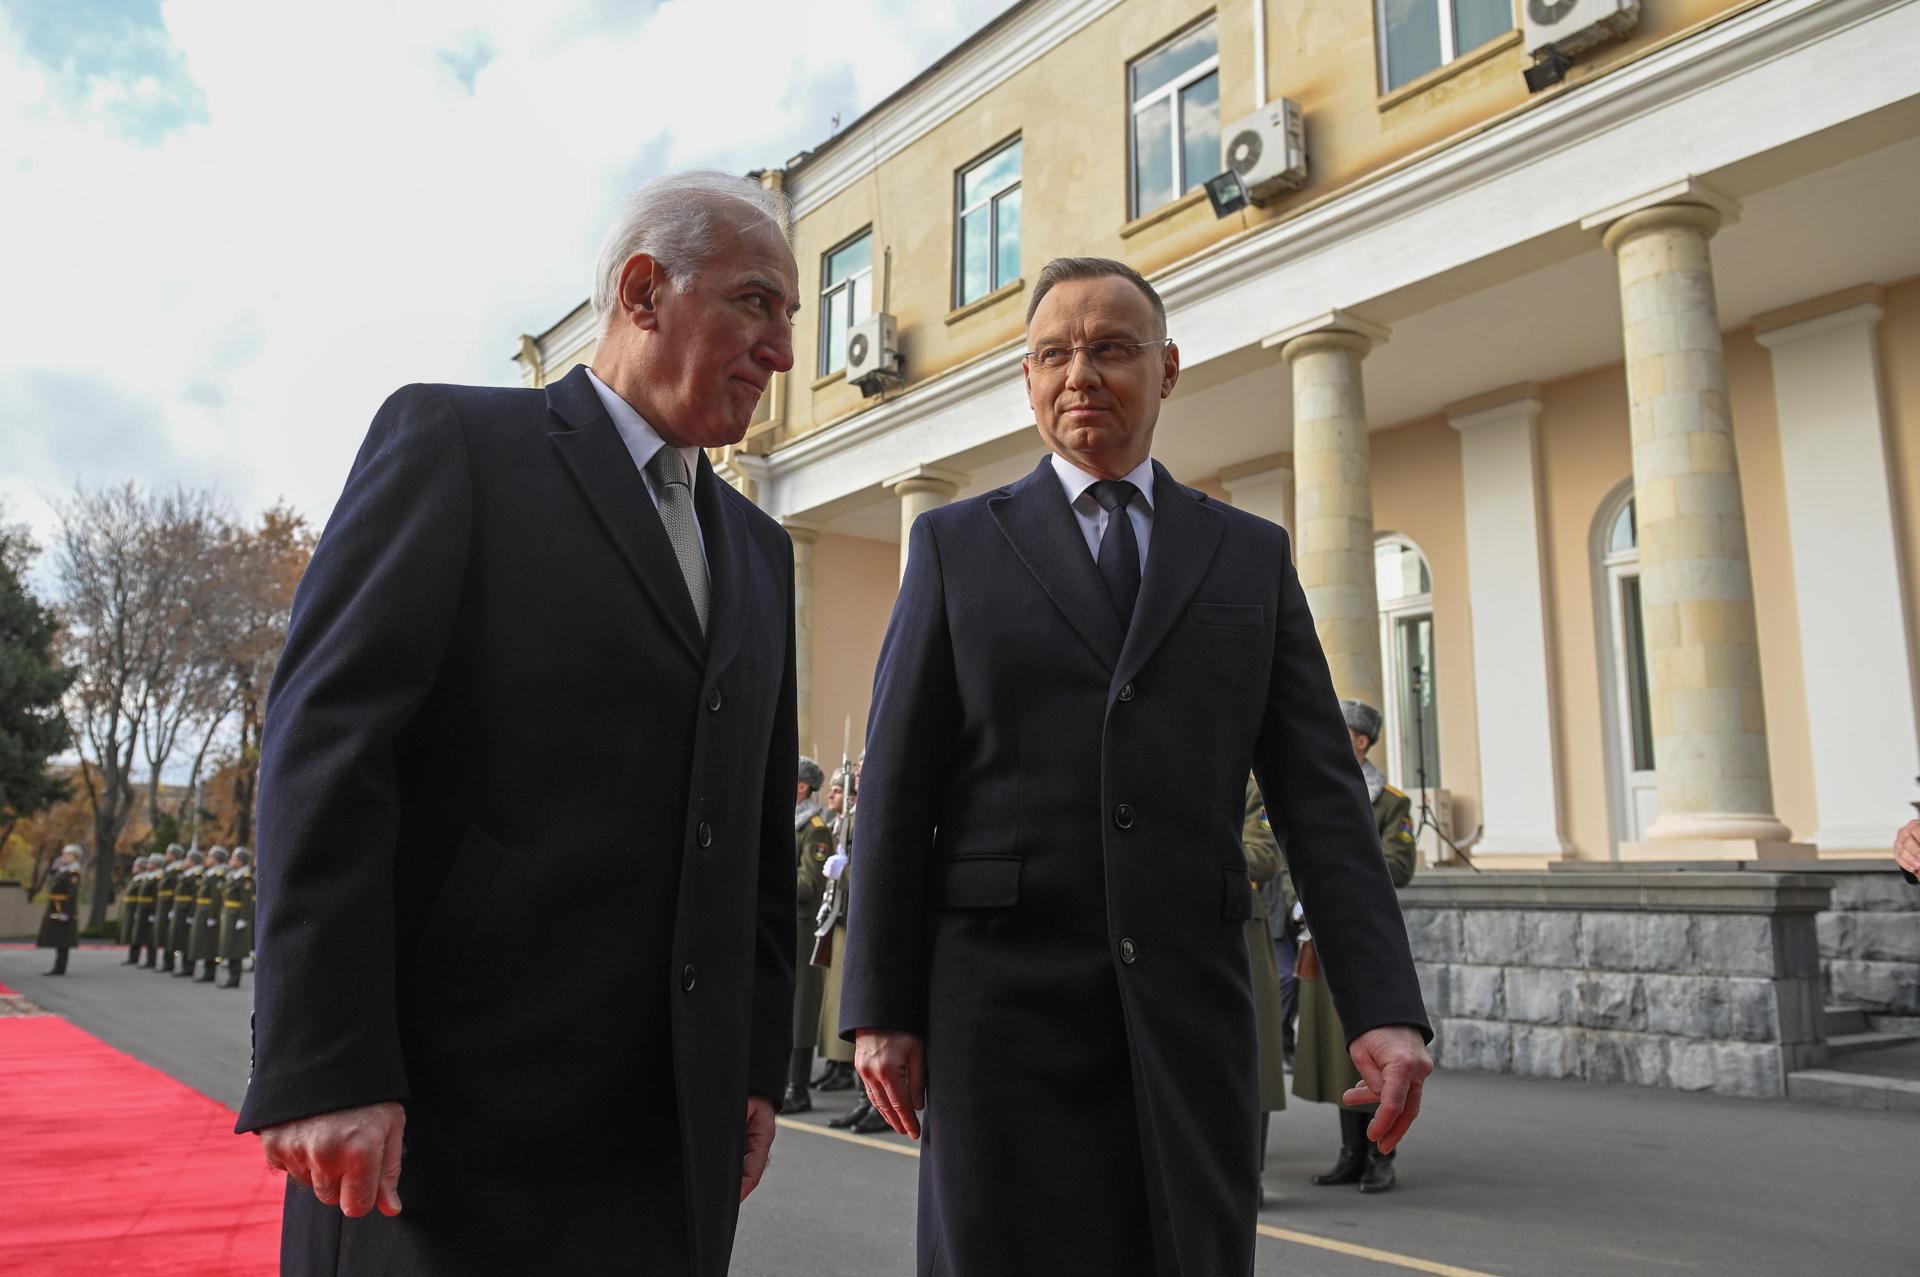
(1394, 1065)
(1906, 847)
(893, 1067)
(349, 1158)
(759, 1144)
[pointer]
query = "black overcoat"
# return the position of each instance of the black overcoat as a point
(1052, 887)
(60, 921)
(495, 703)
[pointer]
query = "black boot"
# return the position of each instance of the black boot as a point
(133, 957)
(840, 1078)
(797, 1100)
(856, 1113)
(206, 977)
(1378, 1177)
(1353, 1151)
(1266, 1129)
(233, 978)
(871, 1123)
(59, 962)
(166, 963)
(186, 970)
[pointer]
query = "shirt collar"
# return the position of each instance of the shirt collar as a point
(1076, 481)
(642, 439)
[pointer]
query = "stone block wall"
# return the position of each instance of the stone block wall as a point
(1697, 981)
(1870, 939)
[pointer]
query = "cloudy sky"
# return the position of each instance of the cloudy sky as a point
(233, 226)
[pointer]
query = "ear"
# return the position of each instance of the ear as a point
(1170, 370)
(642, 281)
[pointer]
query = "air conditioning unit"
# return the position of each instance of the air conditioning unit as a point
(1568, 27)
(873, 354)
(1267, 150)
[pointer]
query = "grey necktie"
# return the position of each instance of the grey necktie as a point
(669, 471)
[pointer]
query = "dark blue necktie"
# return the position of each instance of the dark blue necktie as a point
(1119, 548)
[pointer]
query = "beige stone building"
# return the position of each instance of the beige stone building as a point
(1594, 408)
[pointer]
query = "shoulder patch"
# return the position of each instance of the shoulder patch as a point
(1389, 789)
(1406, 829)
(819, 823)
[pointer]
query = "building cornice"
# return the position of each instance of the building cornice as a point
(973, 70)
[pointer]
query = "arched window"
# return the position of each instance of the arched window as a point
(1623, 668)
(1404, 586)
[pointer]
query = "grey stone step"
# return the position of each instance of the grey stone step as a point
(1854, 1090)
(1840, 1020)
(1852, 1043)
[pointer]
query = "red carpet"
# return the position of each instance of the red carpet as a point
(108, 1166)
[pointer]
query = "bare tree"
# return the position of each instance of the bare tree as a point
(268, 562)
(185, 677)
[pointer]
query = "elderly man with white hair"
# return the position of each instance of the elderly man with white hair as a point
(542, 650)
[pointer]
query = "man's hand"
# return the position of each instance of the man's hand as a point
(1394, 1065)
(759, 1147)
(893, 1066)
(350, 1158)
(1906, 847)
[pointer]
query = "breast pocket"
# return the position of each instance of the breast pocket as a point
(1227, 616)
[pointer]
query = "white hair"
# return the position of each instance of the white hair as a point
(673, 219)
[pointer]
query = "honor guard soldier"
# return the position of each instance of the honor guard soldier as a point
(128, 890)
(812, 844)
(163, 884)
(208, 905)
(1322, 1068)
(60, 925)
(186, 891)
(236, 915)
(133, 907)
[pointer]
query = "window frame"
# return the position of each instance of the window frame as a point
(992, 204)
(1449, 40)
(1171, 90)
(828, 297)
(1626, 783)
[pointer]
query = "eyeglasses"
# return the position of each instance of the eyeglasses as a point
(1108, 356)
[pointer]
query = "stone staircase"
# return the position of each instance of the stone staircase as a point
(1872, 1063)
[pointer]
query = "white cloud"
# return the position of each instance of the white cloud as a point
(361, 194)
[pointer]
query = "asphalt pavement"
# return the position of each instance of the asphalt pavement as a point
(1502, 1176)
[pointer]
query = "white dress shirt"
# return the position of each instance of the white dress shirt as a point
(642, 442)
(1093, 516)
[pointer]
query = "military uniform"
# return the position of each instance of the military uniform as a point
(186, 895)
(137, 925)
(1263, 865)
(236, 921)
(160, 956)
(209, 904)
(60, 924)
(128, 890)
(827, 1030)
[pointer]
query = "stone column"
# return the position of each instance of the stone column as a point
(1506, 583)
(1703, 652)
(804, 535)
(1855, 620)
(921, 489)
(1333, 495)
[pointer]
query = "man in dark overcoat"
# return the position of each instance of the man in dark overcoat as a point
(542, 651)
(1049, 947)
(60, 923)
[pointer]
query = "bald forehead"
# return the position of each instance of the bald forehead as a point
(1106, 306)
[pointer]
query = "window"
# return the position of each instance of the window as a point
(988, 254)
(1175, 92)
(1636, 792)
(1404, 589)
(1418, 36)
(846, 298)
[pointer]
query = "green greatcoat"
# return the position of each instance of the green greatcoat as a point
(1263, 862)
(163, 907)
(60, 924)
(186, 893)
(1322, 1069)
(829, 1044)
(208, 905)
(812, 844)
(129, 906)
(236, 917)
(137, 905)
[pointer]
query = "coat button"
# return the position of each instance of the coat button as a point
(1126, 691)
(704, 834)
(1128, 951)
(1123, 816)
(713, 699)
(688, 977)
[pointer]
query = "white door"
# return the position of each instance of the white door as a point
(1636, 798)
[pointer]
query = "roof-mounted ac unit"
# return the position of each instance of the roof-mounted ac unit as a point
(1267, 150)
(873, 354)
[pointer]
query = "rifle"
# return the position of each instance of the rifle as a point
(833, 904)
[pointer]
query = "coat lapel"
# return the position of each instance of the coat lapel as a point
(1034, 517)
(723, 528)
(1186, 532)
(603, 468)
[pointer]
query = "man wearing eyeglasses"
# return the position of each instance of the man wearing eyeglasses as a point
(1048, 975)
